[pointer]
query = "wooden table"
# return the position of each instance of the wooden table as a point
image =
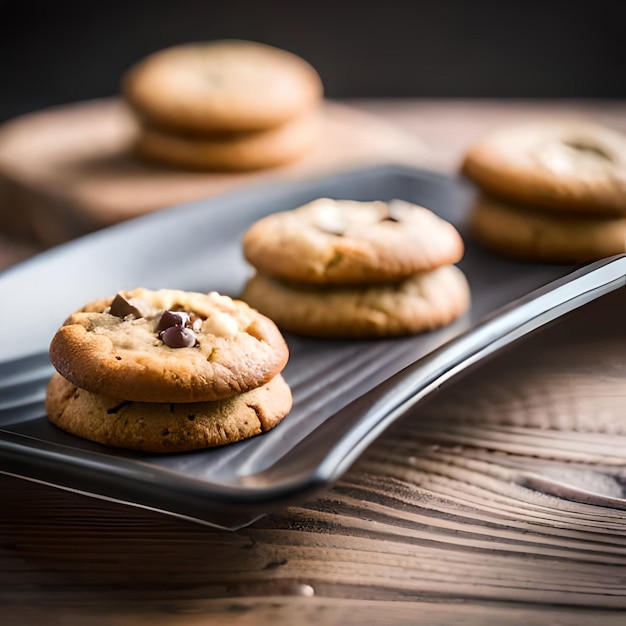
(500, 501)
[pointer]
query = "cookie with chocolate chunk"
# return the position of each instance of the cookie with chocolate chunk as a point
(168, 346)
(571, 166)
(422, 302)
(336, 242)
(166, 427)
(222, 86)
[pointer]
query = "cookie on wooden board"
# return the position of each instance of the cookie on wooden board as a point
(335, 242)
(168, 346)
(230, 152)
(569, 165)
(223, 85)
(422, 302)
(166, 427)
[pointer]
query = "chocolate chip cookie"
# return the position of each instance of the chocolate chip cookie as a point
(168, 346)
(422, 302)
(532, 234)
(166, 427)
(221, 86)
(345, 242)
(232, 152)
(571, 166)
(552, 191)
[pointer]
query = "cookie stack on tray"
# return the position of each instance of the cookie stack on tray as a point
(351, 269)
(167, 371)
(226, 105)
(552, 191)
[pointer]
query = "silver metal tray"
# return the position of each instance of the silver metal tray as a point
(345, 392)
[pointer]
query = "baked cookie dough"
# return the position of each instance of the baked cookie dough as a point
(419, 303)
(572, 166)
(231, 151)
(131, 347)
(166, 427)
(221, 86)
(336, 242)
(532, 234)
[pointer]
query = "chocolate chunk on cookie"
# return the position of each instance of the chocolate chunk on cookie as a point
(222, 86)
(349, 242)
(419, 303)
(571, 166)
(219, 347)
(166, 427)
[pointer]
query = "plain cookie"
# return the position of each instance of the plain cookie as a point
(226, 85)
(531, 234)
(420, 303)
(122, 347)
(231, 151)
(349, 242)
(566, 166)
(166, 427)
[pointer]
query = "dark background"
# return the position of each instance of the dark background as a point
(68, 50)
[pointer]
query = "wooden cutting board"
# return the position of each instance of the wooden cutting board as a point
(69, 170)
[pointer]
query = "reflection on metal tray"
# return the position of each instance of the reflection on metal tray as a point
(345, 392)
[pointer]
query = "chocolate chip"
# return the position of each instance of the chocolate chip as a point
(173, 318)
(178, 337)
(176, 329)
(121, 307)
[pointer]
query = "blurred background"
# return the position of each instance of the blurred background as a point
(63, 51)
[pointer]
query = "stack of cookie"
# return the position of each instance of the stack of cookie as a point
(167, 371)
(224, 105)
(348, 269)
(550, 192)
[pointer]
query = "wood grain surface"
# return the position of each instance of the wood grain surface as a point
(500, 500)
